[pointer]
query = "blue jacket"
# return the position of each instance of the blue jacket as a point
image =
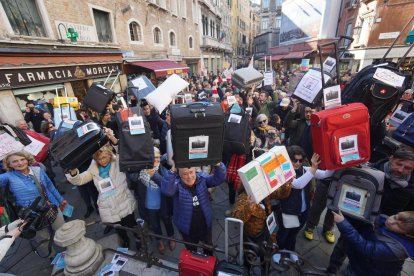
(24, 189)
(172, 186)
(375, 251)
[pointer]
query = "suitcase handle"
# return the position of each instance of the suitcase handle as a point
(226, 239)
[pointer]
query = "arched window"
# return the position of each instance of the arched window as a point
(172, 39)
(135, 31)
(157, 36)
(190, 42)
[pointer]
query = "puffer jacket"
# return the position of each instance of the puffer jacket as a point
(112, 206)
(375, 251)
(172, 186)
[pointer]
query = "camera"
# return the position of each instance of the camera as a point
(34, 217)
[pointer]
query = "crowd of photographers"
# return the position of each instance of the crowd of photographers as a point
(182, 197)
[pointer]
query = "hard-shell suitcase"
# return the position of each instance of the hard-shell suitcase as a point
(98, 96)
(357, 192)
(225, 267)
(78, 145)
(64, 127)
(136, 151)
(405, 132)
(196, 264)
(197, 131)
(64, 110)
(341, 136)
(236, 132)
(246, 77)
(140, 87)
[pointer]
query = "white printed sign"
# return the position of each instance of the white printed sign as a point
(86, 129)
(398, 117)
(332, 96)
(329, 64)
(8, 144)
(352, 200)
(234, 118)
(268, 78)
(34, 147)
(310, 85)
(197, 147)
(231, 100)
(348, 148)
(139, 83)
(136, 125)
(389, 77)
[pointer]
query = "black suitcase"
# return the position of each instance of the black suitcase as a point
(197, 131)
(73, 149)
(236, 132)
(136, 152)
(98, 97)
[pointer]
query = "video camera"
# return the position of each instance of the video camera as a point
(34, 218)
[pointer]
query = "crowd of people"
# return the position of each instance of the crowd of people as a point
(181, 197)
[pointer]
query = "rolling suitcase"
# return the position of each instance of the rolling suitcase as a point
(78, 145)
(357, 192)
(60, 113)
(197, 131)
(246, 77)
(196, 264)
(341, 136)
(405, 132)
(140, 87)
(136, 150)
(236, 132)
(98, 96)
(225, 267)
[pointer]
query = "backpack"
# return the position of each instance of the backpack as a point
(357, 192)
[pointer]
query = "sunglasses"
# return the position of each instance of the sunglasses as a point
(261, 122)
(294, 160)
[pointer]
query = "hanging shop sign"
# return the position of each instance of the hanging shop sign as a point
(15, 78)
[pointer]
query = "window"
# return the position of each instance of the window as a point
(279, 3)
(174, 7)
(135, 31)
(265, 4)
(157, 35)
(24, 17)
(190, 42)
(103, 27)
(195, 12)
(278, 21)
(172, 39)
(348, 32)
(265, 23)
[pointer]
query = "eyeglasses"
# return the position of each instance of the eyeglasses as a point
(294, 160)
(261, 122)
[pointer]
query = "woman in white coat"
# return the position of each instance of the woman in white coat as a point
(115, 202)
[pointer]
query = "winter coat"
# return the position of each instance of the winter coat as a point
(375, 251)
(25, 190)
(172, 186)
(112, 206)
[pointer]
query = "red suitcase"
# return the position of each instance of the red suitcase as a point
(341, 136)
(196, 264)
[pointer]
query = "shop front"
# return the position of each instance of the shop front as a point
(39, 79)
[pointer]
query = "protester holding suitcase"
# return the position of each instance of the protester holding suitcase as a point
(192, 212)
(115, 201)
(381, 250)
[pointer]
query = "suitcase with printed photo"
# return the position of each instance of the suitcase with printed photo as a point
(405, 132)
(78, 145)
(357, 192)
(236, 132)
(197, 131)
(196, 264)
(341, 136)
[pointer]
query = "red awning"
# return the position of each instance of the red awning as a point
(297, 55)
(274, 57)
(162, 67)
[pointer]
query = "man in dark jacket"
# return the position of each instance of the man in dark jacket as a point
(33, 115)
(192, 207)
(154, 120)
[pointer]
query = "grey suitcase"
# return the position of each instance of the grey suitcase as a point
(246, 77)
(357, 192)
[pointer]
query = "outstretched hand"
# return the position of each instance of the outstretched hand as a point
(338, 217)
(315, 161)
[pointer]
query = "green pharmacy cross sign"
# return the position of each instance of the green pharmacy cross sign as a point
(72, 35)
